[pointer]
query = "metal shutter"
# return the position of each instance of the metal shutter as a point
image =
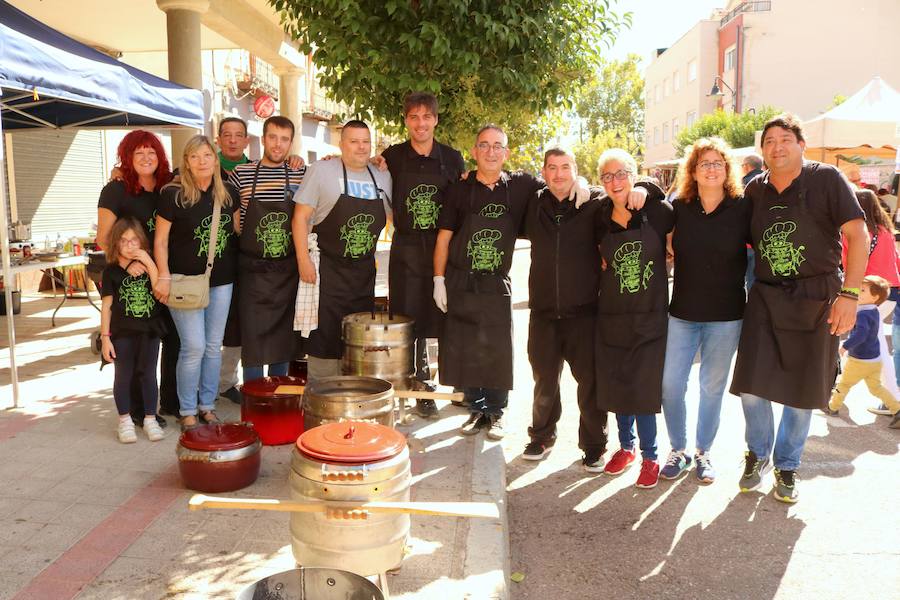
(59, 175)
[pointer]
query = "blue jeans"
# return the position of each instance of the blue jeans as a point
(275, 370)
(486, 400)
(760, 431)
(717, 342)
(646, 430)
(201, 331)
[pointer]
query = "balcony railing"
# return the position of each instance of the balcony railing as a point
(744, 7)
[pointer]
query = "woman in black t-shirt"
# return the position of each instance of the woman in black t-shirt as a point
(130, 326)
(712, 227)
(183, 225)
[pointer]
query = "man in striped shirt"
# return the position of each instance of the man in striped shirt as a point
(267, 267)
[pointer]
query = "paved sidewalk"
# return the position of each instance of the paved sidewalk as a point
(82, 516)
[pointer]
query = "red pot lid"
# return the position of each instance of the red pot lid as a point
(266, 386)
(221, 436)
(352, 442)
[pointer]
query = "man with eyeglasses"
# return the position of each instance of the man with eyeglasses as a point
(799, 306)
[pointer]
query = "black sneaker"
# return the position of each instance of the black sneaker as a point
(495, 427)
(593, 461)
(755, 469)
(426, 409)
(785, 486)
(233, 394)
(536, 450)
(475, 422)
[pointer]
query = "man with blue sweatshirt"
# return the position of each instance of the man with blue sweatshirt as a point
(864, 362)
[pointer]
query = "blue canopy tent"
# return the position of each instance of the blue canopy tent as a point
(48, 79)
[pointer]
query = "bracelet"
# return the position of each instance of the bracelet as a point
(850, 290)
(844, 294)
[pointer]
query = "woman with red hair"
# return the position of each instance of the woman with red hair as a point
(144, 170)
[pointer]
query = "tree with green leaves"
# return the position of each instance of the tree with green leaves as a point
(503, 62)
(738, 129)
(614, 99)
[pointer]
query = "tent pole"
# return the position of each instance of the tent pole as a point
(7, 278)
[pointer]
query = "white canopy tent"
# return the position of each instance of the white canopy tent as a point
(870, 117)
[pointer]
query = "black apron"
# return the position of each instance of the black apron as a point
(416, 208)
(632, 321)
(347, 239)
(476, 343)
(267, 279)
(787, 353)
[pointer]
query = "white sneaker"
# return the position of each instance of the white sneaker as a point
(153, 430)
(126, 431)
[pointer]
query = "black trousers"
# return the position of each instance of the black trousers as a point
(168, 391)
(135, 367)
(423, 370)
(550, 342)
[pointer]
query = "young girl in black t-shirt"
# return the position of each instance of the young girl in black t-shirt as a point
(131, 325)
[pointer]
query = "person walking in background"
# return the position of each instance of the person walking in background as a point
(712, 226)
(131, 324)
(184, 226)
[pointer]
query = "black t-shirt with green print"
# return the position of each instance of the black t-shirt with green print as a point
(115, 198)
(134, 309)
(190, 232)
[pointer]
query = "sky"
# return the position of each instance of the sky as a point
(658, 24)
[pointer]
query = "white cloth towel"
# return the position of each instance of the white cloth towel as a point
(306, 307)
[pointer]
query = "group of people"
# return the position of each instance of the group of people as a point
(297, 244)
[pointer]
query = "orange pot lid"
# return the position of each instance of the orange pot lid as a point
(352, 442)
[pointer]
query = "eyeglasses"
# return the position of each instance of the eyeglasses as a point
(716, 165)
(484, 147)
(131, 242)
(618, 176)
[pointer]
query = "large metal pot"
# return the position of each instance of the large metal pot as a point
(352, 462)
(380, 345)
(276, 415)
(307, 583)
(346, 398)
(221, 457)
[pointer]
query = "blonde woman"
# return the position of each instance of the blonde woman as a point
(712, 228)
(183, 226)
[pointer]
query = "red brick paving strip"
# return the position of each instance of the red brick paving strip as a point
(88, 558)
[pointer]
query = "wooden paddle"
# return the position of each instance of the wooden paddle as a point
(485, 510)
(423, 395)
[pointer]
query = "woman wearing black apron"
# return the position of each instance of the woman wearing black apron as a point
(347, 238)
(268, 283)
(632, 314)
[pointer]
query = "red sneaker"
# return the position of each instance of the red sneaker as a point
(619, 461)
(649, 476)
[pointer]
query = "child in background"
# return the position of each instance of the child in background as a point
(131, 325)
(864, 360)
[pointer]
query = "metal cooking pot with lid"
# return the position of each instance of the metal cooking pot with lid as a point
(274, 406)
(308, 583)
(348, 398)
(380, 345)
(220, 457)
(350, 462)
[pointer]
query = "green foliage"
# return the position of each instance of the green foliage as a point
(503, 62)
(587, 153)
(613, 98)
(738, 129)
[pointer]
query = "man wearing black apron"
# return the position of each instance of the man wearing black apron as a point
(421, 168)
(632, 314)
(478, 225)
(345, 203)
(267, 268)
(562, 294)
(798, 307)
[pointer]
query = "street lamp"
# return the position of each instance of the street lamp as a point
(717, 92)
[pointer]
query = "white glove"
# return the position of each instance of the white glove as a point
(440, 293)
(581, 193)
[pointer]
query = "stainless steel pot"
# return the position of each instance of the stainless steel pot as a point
(380, 345)
(374, 466)
(308, 583)
(345, 398)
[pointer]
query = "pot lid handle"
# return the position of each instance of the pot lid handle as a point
(350, 432)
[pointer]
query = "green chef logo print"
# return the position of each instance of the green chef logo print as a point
(776, 248)
(357, 238)
(485, 255)
(201, 233)
(135, 294)
(627, 266)
(151, 222)
(493, 211)
(273, 236)
(422, 207)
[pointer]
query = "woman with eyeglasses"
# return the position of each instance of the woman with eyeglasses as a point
(712, 228)
(631, 314)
